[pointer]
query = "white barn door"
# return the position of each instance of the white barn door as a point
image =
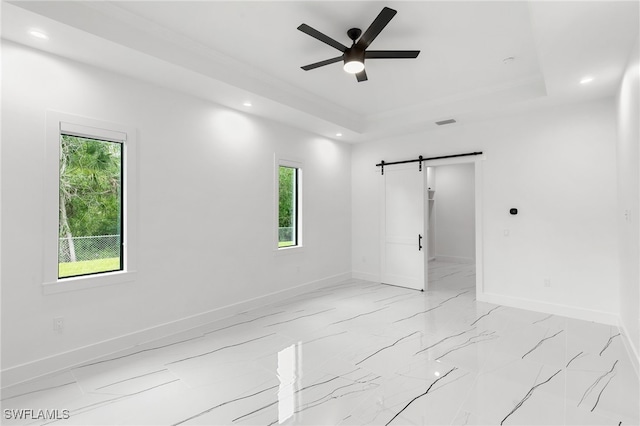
(404, 248)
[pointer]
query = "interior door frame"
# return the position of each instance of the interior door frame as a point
(477, 161)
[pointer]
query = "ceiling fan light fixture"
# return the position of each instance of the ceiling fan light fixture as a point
(353, 60)
(353, 67)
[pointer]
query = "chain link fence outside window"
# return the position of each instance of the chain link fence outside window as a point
(285, 234)
(88, 248)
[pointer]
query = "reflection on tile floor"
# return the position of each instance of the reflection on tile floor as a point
(351, 354)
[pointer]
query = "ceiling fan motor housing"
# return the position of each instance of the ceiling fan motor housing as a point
(354, 54)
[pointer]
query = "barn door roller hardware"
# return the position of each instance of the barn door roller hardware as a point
(420, 159)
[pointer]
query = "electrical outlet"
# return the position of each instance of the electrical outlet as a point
(547, 282)
(58, 324)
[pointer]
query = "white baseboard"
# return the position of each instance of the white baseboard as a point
(63, 361)
(550, 308)
(634, 355)
(453, 259)
(365, 276)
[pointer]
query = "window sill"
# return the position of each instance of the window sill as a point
(283, 251)
(86, 282)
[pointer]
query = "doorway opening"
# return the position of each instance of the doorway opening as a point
(450, 226)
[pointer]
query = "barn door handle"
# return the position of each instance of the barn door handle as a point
(419, 242)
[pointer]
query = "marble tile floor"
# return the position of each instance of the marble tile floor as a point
(357, 353)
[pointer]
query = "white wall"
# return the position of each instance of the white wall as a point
(558, 167)
(455, 213)
(628, 199)
(206, 207)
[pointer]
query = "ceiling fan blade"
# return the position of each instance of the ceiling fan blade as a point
(323, 38)
(391, 54)
(322, 63)
(362, 76)
(376, 26)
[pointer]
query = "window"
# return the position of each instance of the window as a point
(89, 204)
(289, 178)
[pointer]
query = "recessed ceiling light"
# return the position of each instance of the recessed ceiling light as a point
(586, 80)
(247, 104)
(38, 34)
(338, 134)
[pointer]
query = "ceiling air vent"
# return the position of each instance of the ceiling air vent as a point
(443, 122)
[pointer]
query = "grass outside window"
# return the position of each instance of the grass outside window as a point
(85, 267)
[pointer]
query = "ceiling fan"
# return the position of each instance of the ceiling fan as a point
(355, 55)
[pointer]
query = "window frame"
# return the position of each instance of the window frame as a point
(60, 123)
(299, 196)
(120, 144)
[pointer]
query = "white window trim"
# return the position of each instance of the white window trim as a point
(298, 164)
(56, 123)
